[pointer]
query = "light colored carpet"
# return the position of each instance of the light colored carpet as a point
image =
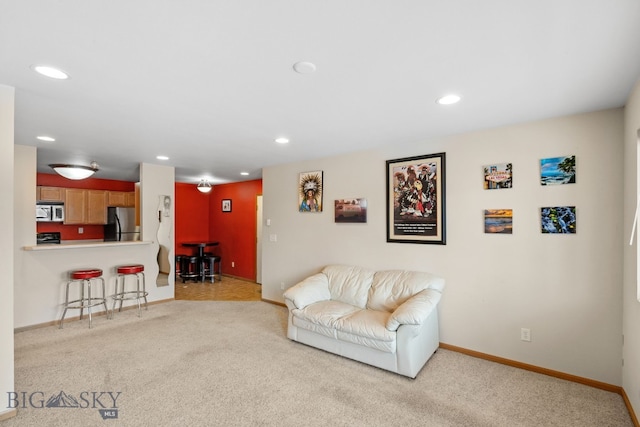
(221, 363)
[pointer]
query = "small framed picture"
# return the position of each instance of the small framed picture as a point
(558, 170)
(498, 176)
(351, 210)
(498, 221)
(558, 220)
(226, 205)
(310, 191)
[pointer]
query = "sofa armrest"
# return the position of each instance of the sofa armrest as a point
(414, 310)
(312, 289)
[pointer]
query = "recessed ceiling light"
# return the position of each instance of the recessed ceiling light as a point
(54, 73)
(282, 140)
(304, 67)
(162, 157)
(45, 138)
(448, 99)
(244, 173)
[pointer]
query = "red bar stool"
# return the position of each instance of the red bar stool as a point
(139, 293)
(84, 278)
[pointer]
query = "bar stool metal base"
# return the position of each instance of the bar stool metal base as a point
(209, 270)
(84, 278)
(140, 292)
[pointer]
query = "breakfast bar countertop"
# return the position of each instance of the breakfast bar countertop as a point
(79, 244)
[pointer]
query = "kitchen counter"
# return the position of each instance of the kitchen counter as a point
(82, 245)
(45, 272)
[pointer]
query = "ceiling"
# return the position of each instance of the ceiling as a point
(211, 84)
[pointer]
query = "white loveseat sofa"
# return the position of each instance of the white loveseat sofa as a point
(387, 319)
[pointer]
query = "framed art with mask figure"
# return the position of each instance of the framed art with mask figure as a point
(310, 192)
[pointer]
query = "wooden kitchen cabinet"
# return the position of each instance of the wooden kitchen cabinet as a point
(137, 203)
(49, 194)
(117, 198)
(122, 199)
(130, 199)
(85, 206)
(97, 206)
(75, 206)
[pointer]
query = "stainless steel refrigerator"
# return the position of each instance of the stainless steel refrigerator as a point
(121, 225)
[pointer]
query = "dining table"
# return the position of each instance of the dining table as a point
(200, 245)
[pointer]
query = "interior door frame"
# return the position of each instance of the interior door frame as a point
(259, 238)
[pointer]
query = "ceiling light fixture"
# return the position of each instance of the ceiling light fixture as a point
(51, 72)
(244, 173)
(75, 172)
(162, 157)
(448, 99)
(282, 140)
(45, 138)
(204, 186)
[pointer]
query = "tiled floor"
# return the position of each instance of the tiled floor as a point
(227, 289)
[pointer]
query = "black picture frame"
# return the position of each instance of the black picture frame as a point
(416, 199)
(226, 205)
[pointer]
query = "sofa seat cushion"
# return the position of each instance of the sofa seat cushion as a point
(346, 322)
(367, 327)
(303, 323)
(322, 317)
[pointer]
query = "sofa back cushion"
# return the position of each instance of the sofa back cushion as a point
(349, 284)
(393, 287)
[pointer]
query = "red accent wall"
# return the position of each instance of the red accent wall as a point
(192, 216)
(199, 216)
(70, 232)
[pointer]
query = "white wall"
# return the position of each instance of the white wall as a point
(631, 321)
(155, 182)
(565, 288)
(6, 243)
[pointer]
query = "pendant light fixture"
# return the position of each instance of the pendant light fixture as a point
(204, 186)
(75, 172)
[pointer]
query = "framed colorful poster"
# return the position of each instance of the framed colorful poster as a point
(558, 170)
(310, 192)
(416, 199)
(498, 176)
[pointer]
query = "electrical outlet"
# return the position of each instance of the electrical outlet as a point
(525, 334)
(282, 286)
(233, 264)
(80, 230)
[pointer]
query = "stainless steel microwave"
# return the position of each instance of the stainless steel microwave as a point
(50, 213)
